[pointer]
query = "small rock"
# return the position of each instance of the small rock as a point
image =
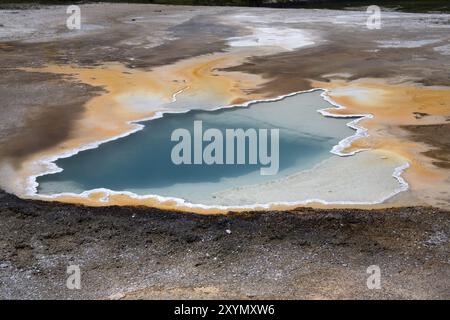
(116, 296)
(228, 231)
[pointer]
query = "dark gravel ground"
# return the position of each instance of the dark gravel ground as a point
(126, 252)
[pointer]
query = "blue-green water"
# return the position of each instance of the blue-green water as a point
(141, 163)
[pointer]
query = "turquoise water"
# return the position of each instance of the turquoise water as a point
(141, 162)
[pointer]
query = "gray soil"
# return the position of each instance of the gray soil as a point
(128, 252)
(38, 109)
(146, 36)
